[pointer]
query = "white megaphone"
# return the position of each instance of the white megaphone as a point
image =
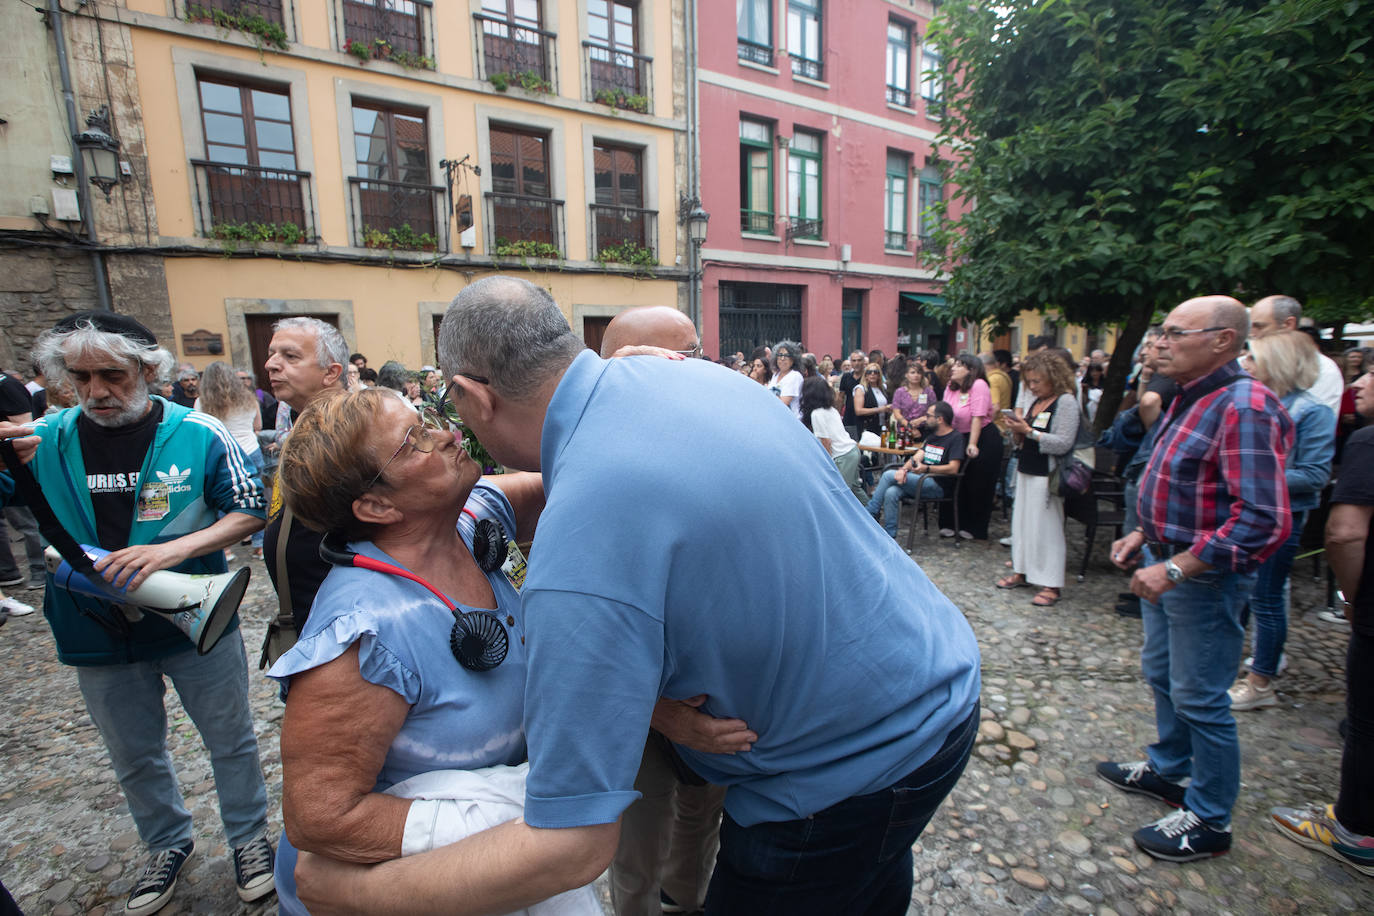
(200, 606)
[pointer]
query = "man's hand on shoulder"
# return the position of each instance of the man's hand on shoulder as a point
(684, 724)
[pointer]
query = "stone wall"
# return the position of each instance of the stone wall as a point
(37, 287)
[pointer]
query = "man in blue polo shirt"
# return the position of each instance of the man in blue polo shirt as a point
(859, 677)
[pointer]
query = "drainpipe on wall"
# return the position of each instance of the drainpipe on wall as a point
(83, 186)
(693, 165)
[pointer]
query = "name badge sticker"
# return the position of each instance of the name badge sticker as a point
(154, 502)
(515, 566)
(1042, 420)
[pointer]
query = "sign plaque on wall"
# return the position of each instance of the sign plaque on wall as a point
(202, 343)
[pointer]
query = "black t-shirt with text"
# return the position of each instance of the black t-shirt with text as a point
(1355, 487)
(114, 459)
(943, 449)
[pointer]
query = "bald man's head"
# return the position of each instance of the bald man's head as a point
(1201, 335)
(1274, 313)
(650, 326)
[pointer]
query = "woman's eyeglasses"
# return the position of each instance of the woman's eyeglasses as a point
(436, 417)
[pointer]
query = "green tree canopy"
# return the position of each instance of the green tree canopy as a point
(1119, 156)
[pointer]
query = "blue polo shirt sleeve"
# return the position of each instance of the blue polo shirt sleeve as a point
(595, 666)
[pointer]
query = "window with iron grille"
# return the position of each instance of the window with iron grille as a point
(521, 198)
(513, 39)
(758, 314)
(932, 193)
(932, 76)
(271, 10)
(384, 26)
(619, 217)
(895, 200)
(804, 37)
(756, 176)
(394, 187)
(899, 64)
(249, 173)
(804, 185)
(613, 59)
(754, 20)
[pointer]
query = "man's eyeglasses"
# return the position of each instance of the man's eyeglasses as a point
(1180, 333)
(690, 354)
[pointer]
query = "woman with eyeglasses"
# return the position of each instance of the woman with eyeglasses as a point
(786, 382)
(380, 688)
(968, 393)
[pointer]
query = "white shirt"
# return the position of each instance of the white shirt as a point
(789, 385)
(827, 424)
(1330, 385)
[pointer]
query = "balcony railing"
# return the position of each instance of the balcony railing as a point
(756, 221)
(798, 228)
(895, 241)
(271, 10)
(395, 24)
(926, 244)
(620, 79)
(398, 214)
(514, 50)
(811, 69)
(899, 96)
(519, 225)
(619, 226)
(755, 53)
(228, 194)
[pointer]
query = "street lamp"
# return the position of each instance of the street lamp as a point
(696, 225)
(99, 150)
(689, 212)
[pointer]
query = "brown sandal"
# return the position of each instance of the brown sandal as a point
(1046, 597)
(1015, 580)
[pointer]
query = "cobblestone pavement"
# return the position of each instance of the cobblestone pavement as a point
(1028, 829)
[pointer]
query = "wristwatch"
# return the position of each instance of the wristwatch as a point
(1174, 571)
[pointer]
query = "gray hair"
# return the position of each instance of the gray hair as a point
(186, 371)
(1235, 316)
(1284, 307)
(393, 375)
(52, 348)
(509, 331)
(329, 343)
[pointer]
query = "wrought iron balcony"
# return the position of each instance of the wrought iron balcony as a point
(385, 26)
(899, 96)
(620, 79)
(519, 225)
(927, 244)
(621, 226)
(755, 53)
(811, 69)
(229, 194)
(513, 50)
(398, 214)
(798, 228)
(271, 10)
(895, 241)
(756, 221)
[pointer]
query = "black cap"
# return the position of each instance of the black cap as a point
(110, 323)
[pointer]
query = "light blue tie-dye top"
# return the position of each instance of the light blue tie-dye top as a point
(459, 719)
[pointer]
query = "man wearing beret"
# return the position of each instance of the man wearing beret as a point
(160, 486)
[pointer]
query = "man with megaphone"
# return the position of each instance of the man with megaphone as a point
(146, 485)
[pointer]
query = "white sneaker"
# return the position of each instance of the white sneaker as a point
(1245, 695)
(1335, 617)
(1283, 662)
(15, 608)
(946, 532)
(965, 535)
(1005, 542)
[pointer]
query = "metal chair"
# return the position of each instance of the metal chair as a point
(1103, 505)
(918, 504)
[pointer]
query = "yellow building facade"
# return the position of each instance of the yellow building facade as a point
(364, 160)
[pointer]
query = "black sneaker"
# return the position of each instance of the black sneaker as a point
(159, 879)
(1128, 609)
(1140, 778)
(668, 904)
(1181, 836)
(253, 869)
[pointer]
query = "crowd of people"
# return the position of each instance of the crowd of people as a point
(498, 686)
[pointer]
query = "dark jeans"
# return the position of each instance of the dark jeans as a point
(852, 858)
(1355, 803)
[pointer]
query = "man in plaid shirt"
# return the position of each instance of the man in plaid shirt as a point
(1213, 506)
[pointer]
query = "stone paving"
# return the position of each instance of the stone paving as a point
(1028, 829)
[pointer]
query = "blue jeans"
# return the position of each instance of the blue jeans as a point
(887, 496)
(1193, 639)
(1269, 603)
(853, 857)
(125, 701)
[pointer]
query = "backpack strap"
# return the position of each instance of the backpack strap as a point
(281, 633)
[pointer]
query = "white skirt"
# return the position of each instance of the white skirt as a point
(1037, 532)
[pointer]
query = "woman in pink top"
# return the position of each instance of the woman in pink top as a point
(969, 395)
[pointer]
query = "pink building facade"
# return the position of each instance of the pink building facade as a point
(817, 149)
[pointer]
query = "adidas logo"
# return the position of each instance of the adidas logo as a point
(175, 479)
